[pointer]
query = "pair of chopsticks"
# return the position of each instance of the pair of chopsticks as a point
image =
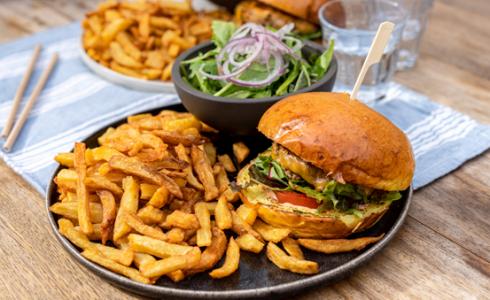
(11, 131)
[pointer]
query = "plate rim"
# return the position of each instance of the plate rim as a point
(158, 291)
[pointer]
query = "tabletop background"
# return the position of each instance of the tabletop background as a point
(443, 250)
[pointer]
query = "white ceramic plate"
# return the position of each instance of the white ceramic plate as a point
(152, 86)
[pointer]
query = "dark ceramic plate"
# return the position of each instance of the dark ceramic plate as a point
(257, 277)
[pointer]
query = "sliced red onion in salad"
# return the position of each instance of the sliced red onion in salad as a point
(250, 44)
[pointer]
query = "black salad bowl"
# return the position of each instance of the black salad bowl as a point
(232, 115)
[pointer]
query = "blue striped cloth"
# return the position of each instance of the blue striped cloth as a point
(76, 103)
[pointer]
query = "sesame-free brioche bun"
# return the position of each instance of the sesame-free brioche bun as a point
(304, 9)
(343, 137)
(302, 221)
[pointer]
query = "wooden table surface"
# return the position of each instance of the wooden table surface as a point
(442, 251)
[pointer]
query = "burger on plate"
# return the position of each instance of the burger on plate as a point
(277, 13)
(333, 169)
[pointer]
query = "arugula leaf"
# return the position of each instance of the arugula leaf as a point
(311, 36)
(322, 63)
(293, 74)
(222, 32)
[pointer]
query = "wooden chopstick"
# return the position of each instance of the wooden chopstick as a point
(30, 103)
(20, 92)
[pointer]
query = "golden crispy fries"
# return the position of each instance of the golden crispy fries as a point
(137, 224)
(176, 276)
(203, 237)
(248, 242)
(229, 195)
(210, 151)
(159, 198)
(271, 233)
(135, 167)
(70, 210)
(80, 240)
(175, 235)
(65, 159)
(158, 248)
(96, 257)
(286, 262)
(150, 215)
(174, 138)
(96, 235)
(204, 172)
(82, 193)
(212, 254)
(222, 181)
(96, 182)
(142, 259)
(108, 214)
(241, 151)
(104, 153)
(239, 226)
(227, 163)
(182, 154)
(292, 248)
(173, 263)
(222, 214)
(113, 28)
(147, 190)
(128, 204)
(231, 263)
(182, 220)
(128, 46)
(120, 57)
(338, 245)
(247, 213)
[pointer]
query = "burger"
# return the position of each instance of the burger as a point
(334, 167)
(277, 13)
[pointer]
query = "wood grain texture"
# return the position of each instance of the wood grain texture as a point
(442, 252)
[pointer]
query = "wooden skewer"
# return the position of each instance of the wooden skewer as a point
(30, 103)
(374, 55)
(20, 92)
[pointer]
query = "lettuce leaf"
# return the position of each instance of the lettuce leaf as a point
(222, 32)
(322, 63)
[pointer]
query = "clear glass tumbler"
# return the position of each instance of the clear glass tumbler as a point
(418, 14)
(352, 24)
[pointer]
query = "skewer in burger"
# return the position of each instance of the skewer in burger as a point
(334, 167)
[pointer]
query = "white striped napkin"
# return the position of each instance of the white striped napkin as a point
(76, 103)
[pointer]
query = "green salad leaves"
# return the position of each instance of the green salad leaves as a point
(294, 71)
(345, 197)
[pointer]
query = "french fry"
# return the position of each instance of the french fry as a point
(182, 220)
(82, 193)
(104, 153)
(292, 248)
(247, 213)
(118, 54)
(175, 235)
(239, 226)
(142, 259)
(174, 138)
(108, 214)
(212, 254)
(241, 151)
(182, 154)
(204, 218)
(204, 172)
(210, 151)
(144, 25)
(159, 198)
(137, 224)
(70, 210)
(227, 163)
(248, 242)
(128, 204)
(150, 215)
(147, 190)
(338, 245)
(135, 167)
(223, 215)
(125, 41)
(65, 159)
(96, 235)
(173, 263)
(222, 181)
(271, 233)
(96, 257)
(286, 262)
(125, 70)
(176, 276)
(111, 30)
(163, 23)
(231, 263)
(96, 182)
(158, 248)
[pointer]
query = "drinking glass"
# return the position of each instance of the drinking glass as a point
(352, 25)
(417, 16)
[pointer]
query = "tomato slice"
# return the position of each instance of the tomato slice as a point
(296, 199)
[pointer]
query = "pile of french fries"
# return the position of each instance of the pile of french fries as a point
(142, 38)
(154, 199)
